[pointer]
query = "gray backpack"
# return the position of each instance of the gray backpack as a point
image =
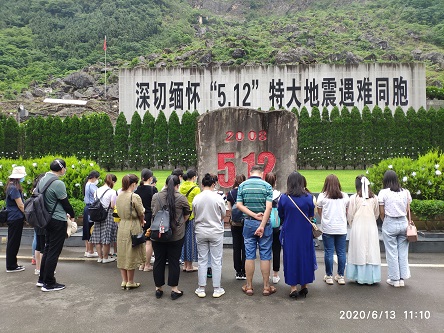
(160, 227)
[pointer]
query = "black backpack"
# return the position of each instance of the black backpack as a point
(36, 213)
(160, 227)
(96, 211)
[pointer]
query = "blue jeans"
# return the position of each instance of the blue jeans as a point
(394, 230)
(251, 241)
(332, 243)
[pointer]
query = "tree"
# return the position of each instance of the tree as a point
(2, 137)
(304, 138)
(424, 137)
(135, 156)
(314, 127)
(65, 144)
(75, 142)
(388, 132)
(30, 140)
(161, 140)
(121, 141)
(346, 138)
(325, 140)
(94, 136)
(336, 135)
(83, 137)
(356, 145)
(438, 133)
(378, 131)
(39, 132)
(402, 144)
(106, 134)
(367, 135)
(187, 135)
(57, 136)
(147, 143)
(174, 139)
(46, 137)
(11, 138)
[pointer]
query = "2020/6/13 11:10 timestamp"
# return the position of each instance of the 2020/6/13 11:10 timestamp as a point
(378, 314)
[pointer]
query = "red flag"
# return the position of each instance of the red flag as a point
(104, 44)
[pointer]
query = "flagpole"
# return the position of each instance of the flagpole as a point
(104, 47)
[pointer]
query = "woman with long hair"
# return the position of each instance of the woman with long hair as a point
(209, 211)
(237, 226)
(146, 192)
(394, 205)
(276, 247)
(296, 235)
(332, 207)
(179, 211)
(15, 204)
(89, 188)
(189, 189)
(364, 257)
(101, 236)
(131, 213)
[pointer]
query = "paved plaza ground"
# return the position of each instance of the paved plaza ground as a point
(94, 302)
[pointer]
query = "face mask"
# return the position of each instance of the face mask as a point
(95, 182)
(22, 180)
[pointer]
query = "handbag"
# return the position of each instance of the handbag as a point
(71, 227)
(3, 215)
(314, 228)
(138, 239)
(412, 232)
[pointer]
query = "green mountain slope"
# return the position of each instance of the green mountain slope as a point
(44, 39)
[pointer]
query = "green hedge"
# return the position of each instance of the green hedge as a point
(422, 177)
(77, 171)
(336, 139)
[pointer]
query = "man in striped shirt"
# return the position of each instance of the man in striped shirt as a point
(254, 199)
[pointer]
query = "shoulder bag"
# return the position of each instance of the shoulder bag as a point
(315, 230)
(412, 232)
(138, 239)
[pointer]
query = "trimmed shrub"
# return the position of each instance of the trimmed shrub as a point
(76, 173)
(422, 177)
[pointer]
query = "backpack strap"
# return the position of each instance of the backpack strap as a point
(190, 190)
(44, 190)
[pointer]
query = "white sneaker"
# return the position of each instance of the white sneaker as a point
(152, 260)
(86, 254)
(328, 279)
(99, 260)
(218, 292)
(36, 272)
(393, 283)
(107, 260)
(276, 279)
(92, 255)
(200, 292)
(401, 283)
(340, 279)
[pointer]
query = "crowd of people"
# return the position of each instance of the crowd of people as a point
(261, 218)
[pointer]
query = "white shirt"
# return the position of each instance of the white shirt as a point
(334, 214)
(209, 210)
(395, 203)
(108, 198)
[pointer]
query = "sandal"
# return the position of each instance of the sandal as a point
(248, 290)
(132, 285)
(268, 291)
(148, 268)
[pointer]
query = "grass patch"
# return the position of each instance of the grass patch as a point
(315, 178)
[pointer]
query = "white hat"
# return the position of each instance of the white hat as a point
(18, 172)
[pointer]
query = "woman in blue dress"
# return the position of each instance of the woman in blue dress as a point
(296, 235)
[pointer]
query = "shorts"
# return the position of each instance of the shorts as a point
(251, 241)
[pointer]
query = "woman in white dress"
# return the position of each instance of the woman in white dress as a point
(364, 258)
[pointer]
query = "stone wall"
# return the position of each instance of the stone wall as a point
(231, 140)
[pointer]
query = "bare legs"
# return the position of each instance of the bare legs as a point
(265, 270)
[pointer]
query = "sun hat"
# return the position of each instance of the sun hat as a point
(18, 172)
